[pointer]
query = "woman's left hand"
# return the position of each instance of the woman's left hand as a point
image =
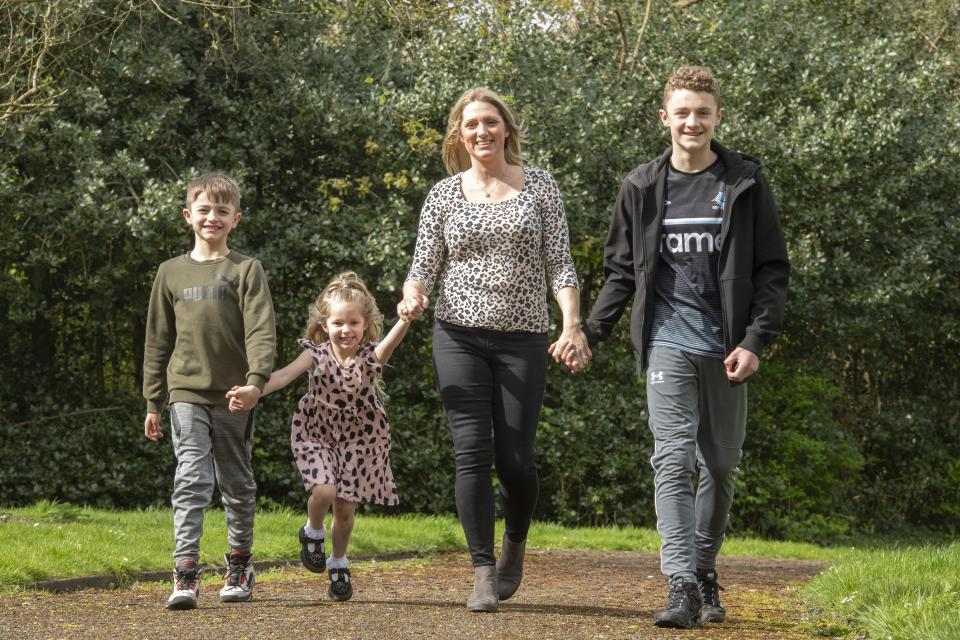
(571, 349)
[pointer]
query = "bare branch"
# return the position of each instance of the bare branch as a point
(83, 412)
(646, 66)
(934, 41)
(160, 9)
(643, 30)
(623, 42)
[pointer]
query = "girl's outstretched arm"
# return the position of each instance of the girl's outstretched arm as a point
(386, 346)
(241, 401)
(280, 379)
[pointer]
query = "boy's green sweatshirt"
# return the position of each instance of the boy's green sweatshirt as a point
(210, 326)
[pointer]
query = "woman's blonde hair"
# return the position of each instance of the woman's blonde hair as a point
(346, 287)
(455, 156)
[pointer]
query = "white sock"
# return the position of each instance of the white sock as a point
(316, 534)
(337, 563)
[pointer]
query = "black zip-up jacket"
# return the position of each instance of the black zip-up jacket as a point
(754, 269)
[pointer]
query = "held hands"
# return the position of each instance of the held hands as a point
(741, 364)
(571, 349)
(243, 398)
(412, 307)
(151, 427)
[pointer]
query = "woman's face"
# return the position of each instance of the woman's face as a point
(483, 131)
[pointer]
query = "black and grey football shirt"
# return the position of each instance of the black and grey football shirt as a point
(686, 312)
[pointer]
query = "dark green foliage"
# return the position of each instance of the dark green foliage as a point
(84, 458)
(798, 466)
(594, 444)
(331, 115)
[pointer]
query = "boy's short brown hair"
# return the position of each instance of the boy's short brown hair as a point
(217, 186)
(692, 79)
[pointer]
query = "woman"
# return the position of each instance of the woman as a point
(492, 234)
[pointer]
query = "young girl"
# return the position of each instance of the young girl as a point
(339, 435)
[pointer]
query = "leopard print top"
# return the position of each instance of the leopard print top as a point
(494, 258)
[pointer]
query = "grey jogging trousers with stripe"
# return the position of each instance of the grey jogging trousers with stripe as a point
(212, 444)
(698, 423)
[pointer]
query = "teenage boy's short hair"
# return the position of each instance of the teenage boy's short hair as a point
(692, 79)
(218, 187)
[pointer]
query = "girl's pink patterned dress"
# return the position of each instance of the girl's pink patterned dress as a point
(340, 434)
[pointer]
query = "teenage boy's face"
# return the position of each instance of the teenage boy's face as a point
(691, 117)
(211, 221)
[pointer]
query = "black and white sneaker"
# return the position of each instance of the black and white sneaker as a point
(340, 586)
(238, 582)
(712, 610)
(683, 606)
(311, 553)
(186, 586)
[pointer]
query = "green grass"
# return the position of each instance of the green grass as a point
(910, 592)
(54, 540)
(895, 592)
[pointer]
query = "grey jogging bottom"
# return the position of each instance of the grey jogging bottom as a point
(211, 443)
(699, 423)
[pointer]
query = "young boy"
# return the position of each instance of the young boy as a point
(210, 326)
(696, 241)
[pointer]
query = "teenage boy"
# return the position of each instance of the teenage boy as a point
(210, 326)
(695, 240)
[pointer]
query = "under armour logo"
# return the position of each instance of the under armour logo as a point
(656, 377)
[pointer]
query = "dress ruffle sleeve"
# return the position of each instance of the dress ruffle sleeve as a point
(368, 356)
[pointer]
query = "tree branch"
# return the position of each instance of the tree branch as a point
(623, 42)
(643, 30)
(65, 415)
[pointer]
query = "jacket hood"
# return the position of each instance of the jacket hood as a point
(739, 166)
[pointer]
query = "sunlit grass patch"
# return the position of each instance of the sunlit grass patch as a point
(910, 592)
(53, 540)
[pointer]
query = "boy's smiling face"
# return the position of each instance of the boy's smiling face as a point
(692, 117)
(211, 221)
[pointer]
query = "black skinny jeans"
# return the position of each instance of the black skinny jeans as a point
(492, 379)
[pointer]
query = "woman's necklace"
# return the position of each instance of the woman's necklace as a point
(480, 186)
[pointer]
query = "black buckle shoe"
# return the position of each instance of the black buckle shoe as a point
(340, 586)
(683, 606)
(311, 553)
(712, 610)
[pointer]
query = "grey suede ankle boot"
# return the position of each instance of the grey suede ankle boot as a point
(510, 567)
(484, 596)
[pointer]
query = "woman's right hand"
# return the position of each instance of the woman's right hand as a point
(571, 349)
(412, 306)
(414, 302)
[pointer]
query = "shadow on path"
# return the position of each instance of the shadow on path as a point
(565, 595)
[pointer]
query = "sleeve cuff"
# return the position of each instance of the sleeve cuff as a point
(257, 380)
(754, 343)
(593, 336)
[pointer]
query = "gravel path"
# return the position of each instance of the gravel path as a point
(565, 595)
